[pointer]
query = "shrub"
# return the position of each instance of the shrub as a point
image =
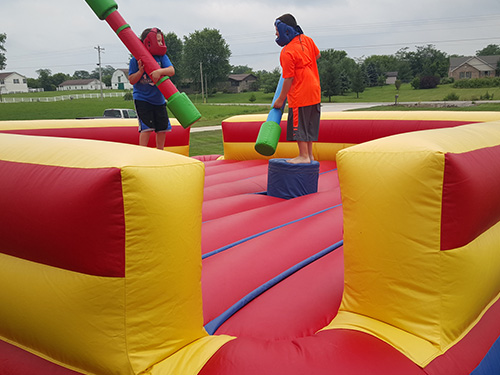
(252, 98)
(451, 97)
(128, 96)
(415, 83)
(447, 80)
(487, 96)
(429, 82)
(477, 83)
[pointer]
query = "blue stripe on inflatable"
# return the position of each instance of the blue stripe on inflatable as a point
(491, 362)
(212, 326)
(231, 245)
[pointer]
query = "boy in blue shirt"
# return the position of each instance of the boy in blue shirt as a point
(149, 102)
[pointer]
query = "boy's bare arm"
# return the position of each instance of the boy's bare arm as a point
(158, 73)
(287, 84)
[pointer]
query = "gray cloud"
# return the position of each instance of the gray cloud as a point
(61, 35)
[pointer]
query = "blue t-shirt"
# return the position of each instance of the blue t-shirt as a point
(145, 89)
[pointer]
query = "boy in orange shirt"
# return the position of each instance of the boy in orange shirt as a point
(301, 86)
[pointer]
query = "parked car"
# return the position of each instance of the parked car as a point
(115, 113)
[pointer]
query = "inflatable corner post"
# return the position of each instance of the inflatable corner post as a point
(269, 133)
(445, 232)
(180, 105)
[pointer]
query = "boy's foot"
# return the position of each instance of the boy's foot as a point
(299, 160)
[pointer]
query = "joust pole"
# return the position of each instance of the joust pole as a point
(269, 133)
(178, 103)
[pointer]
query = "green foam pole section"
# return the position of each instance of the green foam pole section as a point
(102, 8)
(267, 140)
(183, 109)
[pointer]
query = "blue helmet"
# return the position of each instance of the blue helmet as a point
(286, 32)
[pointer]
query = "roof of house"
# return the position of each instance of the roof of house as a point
(241, 77)
(7, 74)
(391, 74)
(124, 70)
(479, 62)
(73, 82)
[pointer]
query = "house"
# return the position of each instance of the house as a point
(473, 67)
(390, 78)
(81, 84)
(12, 82)
(119, 80)
(240, 82)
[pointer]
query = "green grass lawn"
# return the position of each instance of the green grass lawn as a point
(204, 143)
(408, 94)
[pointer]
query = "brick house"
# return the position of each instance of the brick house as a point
(240, 82)
(473, 67)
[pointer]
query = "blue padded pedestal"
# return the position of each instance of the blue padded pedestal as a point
(285, 180)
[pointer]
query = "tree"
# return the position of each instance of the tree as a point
(336, 71)
(59, 78)
(208, 48)
(3, 59)
(358, 81)
(345, 82)
(489, 50)
(241, 69)
(174, 53)
(371, 73)
(44, 79)
(426, 61)
(269, 80)
(106, 72)
(81, 74)
(330, 80)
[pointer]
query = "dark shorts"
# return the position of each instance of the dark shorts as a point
(152, 117)
(303, 123)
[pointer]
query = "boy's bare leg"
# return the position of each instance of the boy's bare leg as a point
(144, 138)
(310, 151)
(160, 140)
(303, 154)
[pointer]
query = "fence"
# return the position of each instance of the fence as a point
(60, 98)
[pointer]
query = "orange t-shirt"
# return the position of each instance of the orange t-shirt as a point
(298, 60)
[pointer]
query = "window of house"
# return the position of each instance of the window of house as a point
(468, 74)
(462, 75)
(16, 81)
(2, 82)
(24, 80)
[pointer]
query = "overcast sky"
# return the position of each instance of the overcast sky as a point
(62, 35)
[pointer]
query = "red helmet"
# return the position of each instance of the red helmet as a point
(152, 45)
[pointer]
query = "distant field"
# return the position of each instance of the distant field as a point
(204, 143)
(70, 109)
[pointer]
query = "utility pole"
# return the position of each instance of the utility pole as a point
(99, 49)
(201, 80)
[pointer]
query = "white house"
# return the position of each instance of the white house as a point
(119, 80)
(12, 82)
(391, 78)
(81, 84)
